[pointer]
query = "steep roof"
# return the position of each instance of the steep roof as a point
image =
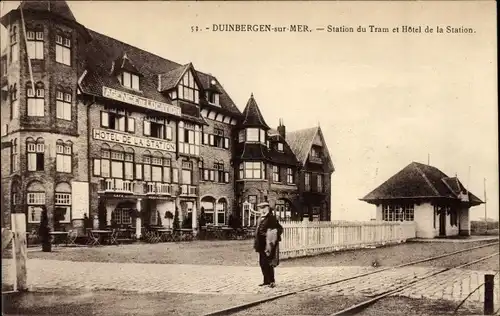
(300, 142)
(284, 157)
(58, 7)
(420, 181)
(103, 50)
(252, 117)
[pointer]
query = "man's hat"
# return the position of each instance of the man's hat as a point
(263, 204)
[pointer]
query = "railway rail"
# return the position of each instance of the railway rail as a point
(360, 306)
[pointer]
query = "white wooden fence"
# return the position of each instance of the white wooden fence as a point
(311, 238)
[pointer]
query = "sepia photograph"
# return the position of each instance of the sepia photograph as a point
(249, 158)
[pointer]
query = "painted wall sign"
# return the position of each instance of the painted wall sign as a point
(122, 138)
(140, 101)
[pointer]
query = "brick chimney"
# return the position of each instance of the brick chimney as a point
(282, 129)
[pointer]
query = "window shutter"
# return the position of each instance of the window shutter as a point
(205, 174)
(205, 139)
(104, 119)
(169, 132)
(175, 175)
(212, 175)
(97, 167)
(226, 142)
(131, 125)
(226, 177)
(212, 140)
(147, 128)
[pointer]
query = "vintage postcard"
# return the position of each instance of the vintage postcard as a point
(249, 158)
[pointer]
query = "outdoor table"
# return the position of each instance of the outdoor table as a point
(61, 235)
(101, 233)
(226, 232)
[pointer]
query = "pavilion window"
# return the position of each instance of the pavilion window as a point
(63, 49)
(35, 40)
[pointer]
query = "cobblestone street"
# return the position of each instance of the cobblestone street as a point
(209, 279)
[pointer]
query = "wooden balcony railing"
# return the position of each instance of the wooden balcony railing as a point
(187, 189)
(158, 188)
(117, 185)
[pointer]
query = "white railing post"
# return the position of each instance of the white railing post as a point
(20, 250)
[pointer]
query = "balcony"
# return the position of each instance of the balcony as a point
(158, 188)
(313, 159)
(188, 190)
(117, 186)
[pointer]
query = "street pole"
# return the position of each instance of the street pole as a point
(485, 208)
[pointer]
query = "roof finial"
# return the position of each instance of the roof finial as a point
(251, 95)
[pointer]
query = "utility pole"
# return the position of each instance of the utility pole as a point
(485, 208)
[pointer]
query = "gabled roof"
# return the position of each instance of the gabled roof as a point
(285, 157)
(420, 181)
(103, 50)
(58, 7)
(252, 117)
(301, 141)
(124, 63)
(171, 79)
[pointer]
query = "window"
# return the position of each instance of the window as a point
(221, 211)
(208, 208)
(35, 44)
(213, 98)
(14, 103)
(63, 49)
(252, 134)
(307, 181)
(115, 163)
(280, 146)
(216, 139)
(315, 152)
(252, 170)
(117, 119)
(453, 216)
(319, 182)
(35, 199)
(155, 127)
(36, 154)
(188, 89)
(129, 80)
(398, 213)
(290, 179)
(276, 174)
(63, 156)
(218, 174)
(189, 139)
(15, 195)
(283, 210)
(36, 99)
(187, 171)
(241, 136)
(63, 105)
(62, 205)
(255, 135)
(121, 216)
(14, 46)
(14, 156)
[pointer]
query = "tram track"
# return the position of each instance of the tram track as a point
(357, 307)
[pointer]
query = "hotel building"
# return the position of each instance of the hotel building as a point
(92, 125)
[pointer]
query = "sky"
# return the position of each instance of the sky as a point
(382, 100)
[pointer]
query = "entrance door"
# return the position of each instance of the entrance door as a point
(442, 223)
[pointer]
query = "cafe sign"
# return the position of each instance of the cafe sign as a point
(141, 101)
(126, 139)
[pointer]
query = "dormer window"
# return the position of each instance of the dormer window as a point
(315, 152)
(188, 89)
(280, 146)
(213, 98)
(129, 80)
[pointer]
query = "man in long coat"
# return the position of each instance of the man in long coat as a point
(267, 236)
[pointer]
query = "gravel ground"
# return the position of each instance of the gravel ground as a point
(112, 303)
(240, 253)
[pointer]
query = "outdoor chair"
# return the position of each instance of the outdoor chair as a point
(72, 236)
(93, 239)
(113, 238)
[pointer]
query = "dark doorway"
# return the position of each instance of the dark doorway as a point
(442, 223)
